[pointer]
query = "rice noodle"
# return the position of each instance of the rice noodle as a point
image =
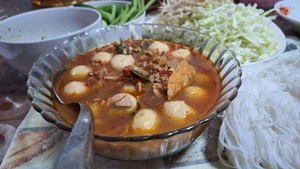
(261, 128)
(171, 9)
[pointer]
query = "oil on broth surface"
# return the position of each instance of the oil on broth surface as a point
(140, 87)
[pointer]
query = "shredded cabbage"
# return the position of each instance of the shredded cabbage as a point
(244, 29)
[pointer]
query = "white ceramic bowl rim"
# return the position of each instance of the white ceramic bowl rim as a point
(36, 12)
(107, 2)
(294, 4)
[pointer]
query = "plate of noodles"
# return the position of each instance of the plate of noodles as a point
(260, 129)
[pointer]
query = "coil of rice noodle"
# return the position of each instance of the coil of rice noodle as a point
(261, 128)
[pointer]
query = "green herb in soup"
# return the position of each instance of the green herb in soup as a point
(140, 87)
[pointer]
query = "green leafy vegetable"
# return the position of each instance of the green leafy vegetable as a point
(106, 8)
(118, 14)
(119, 48)
(144, 8)
(108, 17)
(145, 45)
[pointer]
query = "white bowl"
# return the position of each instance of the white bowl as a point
(293, 17)
(24, 37)
(95, 4)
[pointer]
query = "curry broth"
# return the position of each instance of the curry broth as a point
(112, 124)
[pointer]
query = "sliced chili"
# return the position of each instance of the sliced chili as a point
(284, 10)
(167, 73)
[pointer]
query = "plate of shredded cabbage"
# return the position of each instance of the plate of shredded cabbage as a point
(246, 30)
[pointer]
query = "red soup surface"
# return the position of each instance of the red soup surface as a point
(140, 87)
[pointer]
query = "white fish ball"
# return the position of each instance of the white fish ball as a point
(158, 46)
(104, 57)
(177, 109)
(145, 120)
(119, 61)
(80, 70)
(196, 92)
(75, 87)
(128, 88)
(181, 53)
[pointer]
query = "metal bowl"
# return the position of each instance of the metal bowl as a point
(137, 147)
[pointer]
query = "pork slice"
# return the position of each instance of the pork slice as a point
(181, 77)
(121, 100)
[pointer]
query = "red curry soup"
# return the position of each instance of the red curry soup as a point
(140, 87)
